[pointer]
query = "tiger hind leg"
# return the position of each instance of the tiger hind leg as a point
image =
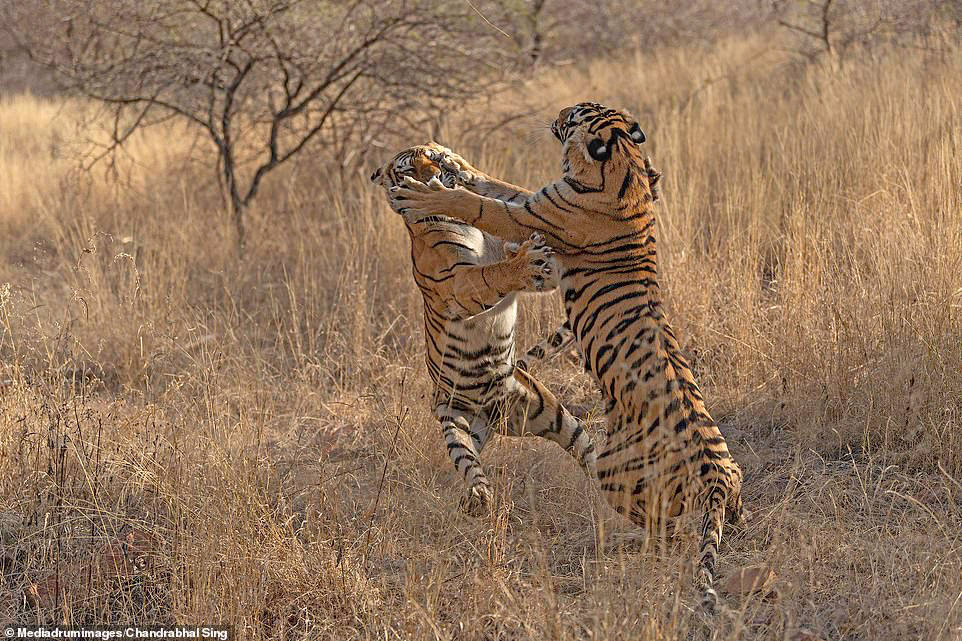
(556, 342)
(465, 438)
(711, 533)
(536, 411)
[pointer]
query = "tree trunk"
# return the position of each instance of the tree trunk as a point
(235, 203)
(237, 211)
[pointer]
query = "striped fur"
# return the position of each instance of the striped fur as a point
(664, 456)
(469, 282)
(555, 343)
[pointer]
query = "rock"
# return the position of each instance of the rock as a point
(748, 580)
(33, 595)
(801, 634)
(130, 555)
(47, 592)
(732, 433)
(11, 526)
(11, 531)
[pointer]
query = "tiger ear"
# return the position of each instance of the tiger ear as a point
(598, 150)
(376, 175)
(636, 134)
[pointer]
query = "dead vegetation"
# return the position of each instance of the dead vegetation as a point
(186, 436)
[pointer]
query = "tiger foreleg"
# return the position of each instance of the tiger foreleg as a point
(527, 268)
(476, 180)
(513, 222)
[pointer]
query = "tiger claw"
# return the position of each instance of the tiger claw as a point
(453, 164)
(446, 163)
(476, 500)
(538, 271)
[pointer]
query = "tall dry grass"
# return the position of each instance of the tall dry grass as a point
(185, 436)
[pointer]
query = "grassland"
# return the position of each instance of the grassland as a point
(188, 436)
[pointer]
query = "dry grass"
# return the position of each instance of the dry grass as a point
(188, 437)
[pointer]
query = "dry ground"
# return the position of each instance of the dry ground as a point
(185, 436)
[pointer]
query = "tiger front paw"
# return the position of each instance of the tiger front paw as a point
(453, 164)
(414, 198)
(536, 267)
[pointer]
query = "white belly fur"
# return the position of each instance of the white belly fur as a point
(493, 327)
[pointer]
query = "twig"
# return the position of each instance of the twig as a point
(492, 25)
(399, 419)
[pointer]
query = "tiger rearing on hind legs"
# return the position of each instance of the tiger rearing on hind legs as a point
(664, 455)
(469, 282)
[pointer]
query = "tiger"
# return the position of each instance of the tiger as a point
(663, 457)
(469, 282)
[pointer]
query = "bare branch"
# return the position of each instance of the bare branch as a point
(262, 79)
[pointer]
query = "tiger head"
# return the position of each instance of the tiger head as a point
(418, 162)
(596, 129)
(593, 135)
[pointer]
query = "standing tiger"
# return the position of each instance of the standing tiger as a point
(664, 455)
(469, 282)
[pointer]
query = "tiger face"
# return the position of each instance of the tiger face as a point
(418, 162)
(599, 141)
(596, 129)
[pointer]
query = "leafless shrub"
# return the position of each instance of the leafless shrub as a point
(562, 30)
(836, 28)
(262, 79)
